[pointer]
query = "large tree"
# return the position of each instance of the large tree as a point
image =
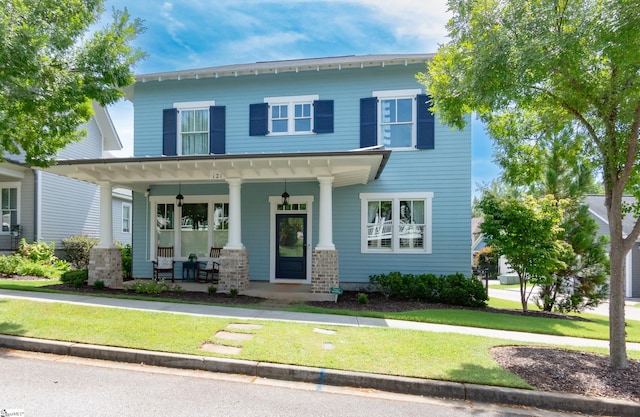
(52, 65)
(575, 62)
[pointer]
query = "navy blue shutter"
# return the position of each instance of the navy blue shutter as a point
(217, 128)
(426, 123)
(368, 122)
(169, 132)
(323, 116)
(258, 119)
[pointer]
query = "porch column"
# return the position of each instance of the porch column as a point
(235, 219)
(324, 263)
(105, 259)
(325, 221)
(234, 259)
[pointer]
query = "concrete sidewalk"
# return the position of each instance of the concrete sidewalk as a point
(469, 392)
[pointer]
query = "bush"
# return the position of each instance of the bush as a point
(212, 289)
(363, 298)
(127, 261)
(147, 286)
(37, 251)
(455, 289)
(77, 249)
(98, 285)
(75, 277)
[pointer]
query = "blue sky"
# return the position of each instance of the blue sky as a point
(203, 33)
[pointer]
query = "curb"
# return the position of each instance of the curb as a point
(388, 383)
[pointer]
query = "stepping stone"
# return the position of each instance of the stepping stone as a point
(216, 348)
(324, 331)
(242, 326)
(233, 336)
(327, 346)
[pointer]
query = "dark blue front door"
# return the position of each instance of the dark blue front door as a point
(291, 245)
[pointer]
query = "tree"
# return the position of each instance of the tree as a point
(524, 231)
(52, 66)
(574, 63)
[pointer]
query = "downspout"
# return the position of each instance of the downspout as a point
(37, 209)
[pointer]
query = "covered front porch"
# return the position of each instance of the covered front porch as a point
(232, 176)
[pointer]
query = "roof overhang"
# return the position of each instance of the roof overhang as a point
(138, 173)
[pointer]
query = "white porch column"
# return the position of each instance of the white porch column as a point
(106, 216)
(325, 226)
(235, 218)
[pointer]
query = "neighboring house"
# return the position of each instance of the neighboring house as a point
(599, 212)
(40, 206)
(313, 171)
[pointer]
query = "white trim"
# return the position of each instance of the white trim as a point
(273, 210)
(125, 204)
(18, 187)
(426, 196)
(398, 94)
(193, 105)
(629, 273)
(290, 102)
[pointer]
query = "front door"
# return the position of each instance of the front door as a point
(291, 246)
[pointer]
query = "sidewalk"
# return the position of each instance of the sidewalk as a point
(469, 392)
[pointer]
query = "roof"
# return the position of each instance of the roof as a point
(599, 211)
(278, 67)
(346, 167)
(110, 139)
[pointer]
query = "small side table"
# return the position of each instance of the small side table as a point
(189, 271)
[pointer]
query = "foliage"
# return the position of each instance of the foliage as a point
(486, 259)
(127, 261)
(212, 289)
(147, 286)
(234, 292)
(37, 251)
(98, 285)
(574, 65)
(77, 249)
(525, 231)
(54, 65)
(75, 277)
(363, 298)
(454, 289)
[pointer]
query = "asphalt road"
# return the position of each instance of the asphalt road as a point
(50, 385)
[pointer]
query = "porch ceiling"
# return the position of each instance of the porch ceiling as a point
(347, 168)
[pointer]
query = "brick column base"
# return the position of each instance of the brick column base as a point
(234, 270)
(105, 264)
(324, 270)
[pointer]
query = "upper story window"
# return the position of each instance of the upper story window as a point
(295, 115)
(194, 128)
(290, 115)
(397, 119)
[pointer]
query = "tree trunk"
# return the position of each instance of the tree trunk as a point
(523, 291)
(617, 333)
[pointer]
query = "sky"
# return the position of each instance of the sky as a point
(204, 33)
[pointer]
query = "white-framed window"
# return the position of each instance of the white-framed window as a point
(291, 115)
(10, 204)
(126, 218)
(397, 118)
(201, 223)
(396, 222)
(193, 127)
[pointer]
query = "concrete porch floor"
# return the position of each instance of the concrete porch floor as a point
(270, 291)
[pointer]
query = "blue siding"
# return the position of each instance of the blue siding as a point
(445, 170)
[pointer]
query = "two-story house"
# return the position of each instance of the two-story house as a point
(41, 206)
(313, 171)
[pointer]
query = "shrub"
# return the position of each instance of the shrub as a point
(37, 251)
(76, 277)
(363, 298)
(77, 249)
(234, 292)
(147, 286)
(455, 289)
(98, 285)
(212, 289)
(127, 261)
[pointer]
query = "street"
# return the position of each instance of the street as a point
(45, 385)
